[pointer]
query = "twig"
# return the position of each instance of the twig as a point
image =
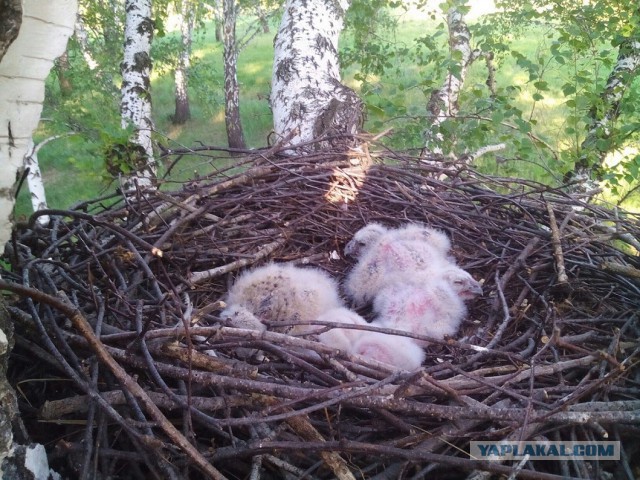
(563, 280)
(81, 324)
(198, 277)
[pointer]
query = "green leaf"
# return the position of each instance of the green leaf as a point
(541, 85)
(375, 112)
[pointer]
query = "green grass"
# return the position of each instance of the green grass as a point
(72, 167)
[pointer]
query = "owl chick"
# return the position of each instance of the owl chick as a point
(340, 338)
(239, 317)
(421, 233)
(389, 257)
(285, 293)
(426, 306)
(364, 239)
(400, 352)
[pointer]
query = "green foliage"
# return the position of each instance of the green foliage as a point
(552, 60)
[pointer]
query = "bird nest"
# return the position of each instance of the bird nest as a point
(125, 370)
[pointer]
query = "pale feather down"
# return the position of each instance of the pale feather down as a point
(285, 293)
(428, 307)
(400, 352)
(364, 238)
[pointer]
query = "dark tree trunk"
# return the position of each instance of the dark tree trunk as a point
(62, 69)
(218, 19)
(183, 111)
(235, 133)
(262, 17)
(10, 21)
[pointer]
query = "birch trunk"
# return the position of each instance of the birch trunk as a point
(443, 103)
(35, 182)
(307, 98)
(136, 90)
(187, 19)
(602, 120)
(46, 27)
(83, 40)
(235, 134)
(32, 34)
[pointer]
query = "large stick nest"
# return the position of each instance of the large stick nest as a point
(121, 297)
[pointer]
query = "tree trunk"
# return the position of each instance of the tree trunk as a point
(443, 103)
(235, 134)
(46, 27)
(32, 34)
(187, 19)
(83, 40)
(61, 69)
(218, 19)
(307, 98)
(35, 182)
(136, 92)
(262, 17)
(10, 21)
(596, 144)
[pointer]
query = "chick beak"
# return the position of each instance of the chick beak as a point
(474, 289)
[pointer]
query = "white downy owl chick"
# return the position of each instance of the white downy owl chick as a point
(401, 352)
(285, 293)
(461, 281)
(387, 258)
(364, 239)
(431, 236)
(340, 338)
(238, 316)
(427, 306)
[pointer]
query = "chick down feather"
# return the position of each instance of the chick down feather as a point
(400, 352)
(284, 293)
(426, 306)
(364, 239)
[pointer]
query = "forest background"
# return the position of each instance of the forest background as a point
(537, 85)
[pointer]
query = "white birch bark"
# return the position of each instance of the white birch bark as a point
(307, 98)
(25, 63)
(136, 89)
(83, 40)
(622, 75)
(46, 27)
(35, 182)
(443, 103)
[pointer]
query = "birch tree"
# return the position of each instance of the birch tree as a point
(307, 97)
(43, 34)
(187, 19)
(35, 182)
(235, 134)
(443, 103)
(32, 34)
(136, 92)
(598, 141)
